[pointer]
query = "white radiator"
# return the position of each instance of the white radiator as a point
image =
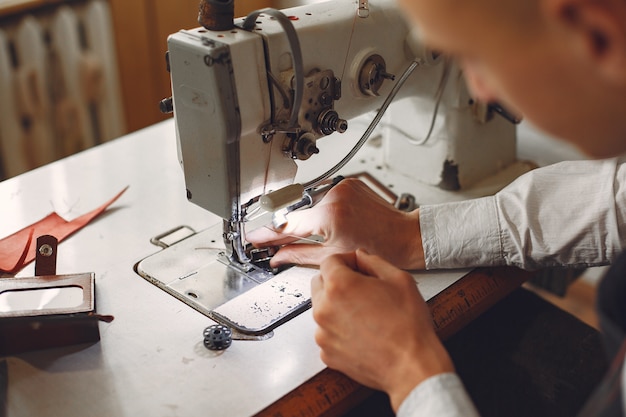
(59, 87)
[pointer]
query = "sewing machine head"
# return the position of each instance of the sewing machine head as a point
(253, 96)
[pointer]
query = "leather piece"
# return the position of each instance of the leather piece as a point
(18, 249)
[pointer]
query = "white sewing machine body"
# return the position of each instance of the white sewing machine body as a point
(223, 101)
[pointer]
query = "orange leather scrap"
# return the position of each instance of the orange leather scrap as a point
(18, 249)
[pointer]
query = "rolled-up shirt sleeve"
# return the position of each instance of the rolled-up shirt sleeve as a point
(567, 214)
(442, 395)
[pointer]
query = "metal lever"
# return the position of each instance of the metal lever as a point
(309, 198)
(497, 107)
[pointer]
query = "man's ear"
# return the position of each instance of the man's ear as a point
(599, 27)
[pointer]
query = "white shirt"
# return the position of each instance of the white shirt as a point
(442, 395)
(571, 213)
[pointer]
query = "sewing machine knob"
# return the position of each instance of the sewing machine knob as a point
(372, 75)
(305, 147)
(329, 122)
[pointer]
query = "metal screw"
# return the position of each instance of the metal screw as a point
(46, 250)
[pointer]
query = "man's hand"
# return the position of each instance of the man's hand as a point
(350, 216)
(374, 325)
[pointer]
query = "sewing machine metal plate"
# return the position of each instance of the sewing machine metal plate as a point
(251, 302)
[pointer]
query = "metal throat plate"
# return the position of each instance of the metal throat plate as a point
(251, 302)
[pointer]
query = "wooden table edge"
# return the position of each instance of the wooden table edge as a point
(330, 393)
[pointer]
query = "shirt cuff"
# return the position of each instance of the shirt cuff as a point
(441, 395)
(461, 234)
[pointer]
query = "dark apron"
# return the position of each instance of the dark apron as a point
(607, 399)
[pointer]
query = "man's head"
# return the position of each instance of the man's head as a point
(560, 63)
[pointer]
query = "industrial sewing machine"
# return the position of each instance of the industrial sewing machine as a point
(255, 98)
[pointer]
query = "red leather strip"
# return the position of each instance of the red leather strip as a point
(18, 249)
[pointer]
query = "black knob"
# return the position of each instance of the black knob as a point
(166, 105)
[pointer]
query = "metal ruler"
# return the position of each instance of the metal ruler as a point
(331, 393)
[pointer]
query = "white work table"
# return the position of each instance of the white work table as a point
(151, 359)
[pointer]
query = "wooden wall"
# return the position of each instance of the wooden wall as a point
(141, 29)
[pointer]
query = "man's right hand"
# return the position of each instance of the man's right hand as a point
(350, 216)
(374, 326)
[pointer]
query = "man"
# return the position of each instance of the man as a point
(561, 64)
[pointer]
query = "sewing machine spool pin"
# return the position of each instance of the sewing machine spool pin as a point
(217, 14)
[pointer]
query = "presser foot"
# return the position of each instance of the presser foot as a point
(258, 261)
